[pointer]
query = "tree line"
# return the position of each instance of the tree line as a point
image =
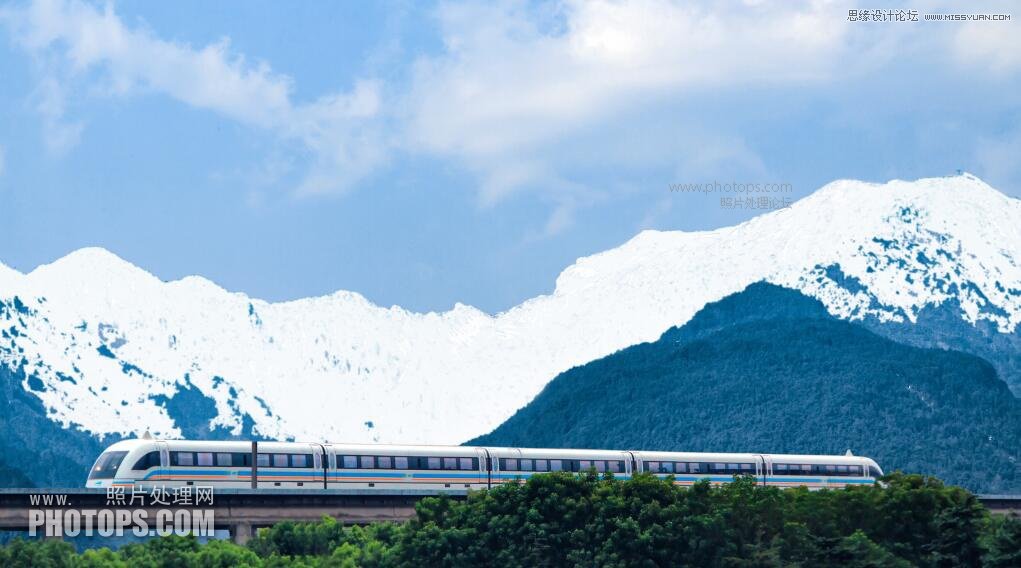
(586, 520)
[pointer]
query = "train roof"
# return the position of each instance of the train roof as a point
(439, 450)
(783, 458)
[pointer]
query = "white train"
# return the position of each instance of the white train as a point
(291, 465)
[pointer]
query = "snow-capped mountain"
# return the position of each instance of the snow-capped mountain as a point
(106, 346)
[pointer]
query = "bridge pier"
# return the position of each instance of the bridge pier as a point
(240, 533)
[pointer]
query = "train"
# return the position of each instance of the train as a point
(149, 463)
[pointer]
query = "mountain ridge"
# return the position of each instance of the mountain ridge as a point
(903, 245)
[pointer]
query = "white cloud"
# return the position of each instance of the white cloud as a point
(507, 82)
(515, 92)
(518, 95)
(59, 133)
(995, 46)
(72, 41)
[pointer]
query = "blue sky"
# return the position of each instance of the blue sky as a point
(427, 154)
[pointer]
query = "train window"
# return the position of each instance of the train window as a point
(262, 460)
(449, 463)
(556, 465)
(241, 460)
(204, 458)
(223, 459)
(432, 463)
(107, 464)
(666, 467)
(279, 460)
(615, 466)
(185, 458)
(384, 462)
(651, 466)
(509, 464)
(541, 465)
(585, 465)
(525, 465)
(680, 467)
(401, 462)
(600, 465)
(874, 472)
(748, 468)
(466, 464)
(301, 460)
(151, 459)
(779, 468)
(695, 468)
(349, 462)
(733, 467)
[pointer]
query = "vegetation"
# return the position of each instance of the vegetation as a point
(565, 520)
(768, 370)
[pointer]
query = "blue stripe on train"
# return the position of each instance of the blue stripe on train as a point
(306, 472)
(227, 473)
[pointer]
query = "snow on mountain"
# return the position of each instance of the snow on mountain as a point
(105, 344)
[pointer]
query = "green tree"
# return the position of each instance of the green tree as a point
(1001, 542)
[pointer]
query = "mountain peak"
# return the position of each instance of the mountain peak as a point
(88, 260)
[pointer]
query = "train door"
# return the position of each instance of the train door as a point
(331, 463)
(483, 469)
(164, 471)
(319, 464)
(762, 468)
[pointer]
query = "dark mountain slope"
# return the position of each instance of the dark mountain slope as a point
(768, 370)
(35, 450)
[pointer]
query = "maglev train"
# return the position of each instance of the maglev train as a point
(149, 463)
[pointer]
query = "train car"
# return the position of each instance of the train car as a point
(173, 463)
(814, 472)
(406, 467)
(149, 463)
(518, 464)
